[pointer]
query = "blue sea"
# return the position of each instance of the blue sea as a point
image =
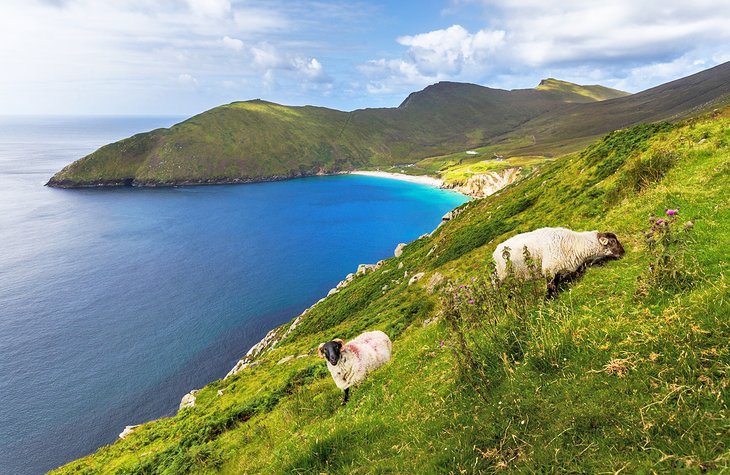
(116, 302)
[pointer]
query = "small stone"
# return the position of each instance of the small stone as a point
(285, 359)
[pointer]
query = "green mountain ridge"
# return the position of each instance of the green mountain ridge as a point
(586, 93)
(260, 141)
(625, 371)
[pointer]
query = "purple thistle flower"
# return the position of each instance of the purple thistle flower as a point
(461, 286)
(442, 343)
(660, 221)
(471, 301)
(672, 212)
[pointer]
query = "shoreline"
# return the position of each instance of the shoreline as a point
(419, 179)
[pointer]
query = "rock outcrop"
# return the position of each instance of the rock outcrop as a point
(486, 184)
(188, 400)
(128, 430)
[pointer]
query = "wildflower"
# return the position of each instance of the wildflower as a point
(471, 301)
(660, 221)
(461, 286)
(442, 343)
(672, 212)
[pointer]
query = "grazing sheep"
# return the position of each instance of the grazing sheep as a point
(560, 252)
(350, 362)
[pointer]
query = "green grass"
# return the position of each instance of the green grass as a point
(604, 378)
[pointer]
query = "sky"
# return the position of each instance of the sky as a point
(181, 57)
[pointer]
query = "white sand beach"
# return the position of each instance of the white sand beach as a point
(423, 180)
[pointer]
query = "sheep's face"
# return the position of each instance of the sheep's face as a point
(611, 247)
(331, 351)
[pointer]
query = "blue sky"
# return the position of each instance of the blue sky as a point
(181, 57)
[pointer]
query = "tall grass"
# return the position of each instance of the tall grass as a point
(498, 324)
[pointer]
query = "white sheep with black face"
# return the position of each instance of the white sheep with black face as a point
(350, 362)
(561, 253)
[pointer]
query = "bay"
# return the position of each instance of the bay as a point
(116, 302)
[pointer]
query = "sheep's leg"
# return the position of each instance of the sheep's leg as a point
(552, 287)
(347, 396)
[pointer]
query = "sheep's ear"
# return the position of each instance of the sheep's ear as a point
(319, 350)
(603, 240)
(340, 341)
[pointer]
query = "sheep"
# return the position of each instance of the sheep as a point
(560, 252)
(350, 362)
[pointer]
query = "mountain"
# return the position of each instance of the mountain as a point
(258, 140)
(625, 370)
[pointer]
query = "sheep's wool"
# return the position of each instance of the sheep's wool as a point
(360, 356)
(557, 249)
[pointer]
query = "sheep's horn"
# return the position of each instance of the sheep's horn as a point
(340, 341)
(319, 350)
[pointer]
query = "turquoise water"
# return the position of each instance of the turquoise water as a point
(114, 303)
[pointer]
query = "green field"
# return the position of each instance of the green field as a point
(625, 371)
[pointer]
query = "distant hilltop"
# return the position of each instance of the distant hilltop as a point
(258, 140)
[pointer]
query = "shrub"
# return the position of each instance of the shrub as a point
(641, 173)
(611, 152)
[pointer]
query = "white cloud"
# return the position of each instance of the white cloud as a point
(187, 80)
(135, 56)
(210, 8)
(611, 41)
(449, 51)
(267, 58)
(232, 43)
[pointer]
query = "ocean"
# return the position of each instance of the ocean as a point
(116, 302)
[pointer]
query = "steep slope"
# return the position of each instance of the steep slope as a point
(258, 140)
(627, 370)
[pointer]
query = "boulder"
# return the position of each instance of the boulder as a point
(399, 249)
(188, 400)
(416, 278)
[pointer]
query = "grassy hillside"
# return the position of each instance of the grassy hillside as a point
(258, 140)
(570, 128)
(626, 371)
